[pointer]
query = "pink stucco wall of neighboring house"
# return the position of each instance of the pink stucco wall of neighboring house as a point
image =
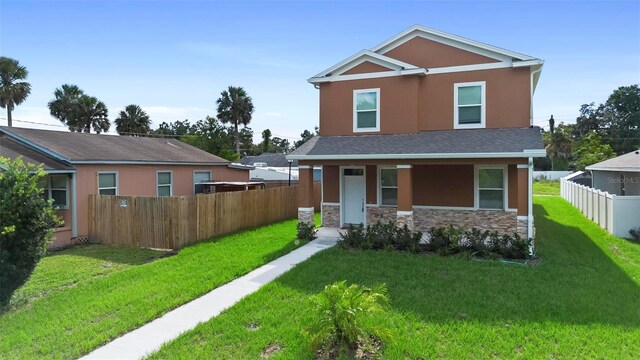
(133, 180)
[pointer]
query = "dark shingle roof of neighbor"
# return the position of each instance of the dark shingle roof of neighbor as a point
(82, 147)
(430, 142)
(11, 149)
(272, 159)
(626, 162)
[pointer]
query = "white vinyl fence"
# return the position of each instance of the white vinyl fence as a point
(614, 213)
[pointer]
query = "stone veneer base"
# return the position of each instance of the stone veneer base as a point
(504, 222)
(305, 215)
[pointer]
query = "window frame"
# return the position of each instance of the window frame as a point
(379, 181)
(483, 105)
(194, 177)
(48, 189)
(505, 186)
(117, 183)
(356, 129)
(170, 172)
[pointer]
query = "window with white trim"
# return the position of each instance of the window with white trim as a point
(366, 110)
(56, 188)
(469, 105)
(491, 188)
(164, 183)
(389, 186)
(108, 183)
(199, 177)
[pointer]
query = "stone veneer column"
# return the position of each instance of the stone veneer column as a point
(305, 194)
(405, 196)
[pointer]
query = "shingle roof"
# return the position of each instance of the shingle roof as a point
(272, 159)
(12, 149)
(86, 148)
(456, 143)
(626, 162)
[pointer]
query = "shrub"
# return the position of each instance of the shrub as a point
(476, 241)
(406, 240)
(306, 231)
(381, 236)
(353, 238)
(635, 234)
(345, 318)
(445, 240)
(518, 247)
(26, 224)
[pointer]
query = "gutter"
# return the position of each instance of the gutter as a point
(530, 153)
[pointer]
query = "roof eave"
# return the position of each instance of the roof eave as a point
(522, 154)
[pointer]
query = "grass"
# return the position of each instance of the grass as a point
(73, 320)
(581, 301)
(77, 266)
(546, 187)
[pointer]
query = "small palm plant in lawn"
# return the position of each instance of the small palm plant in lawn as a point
(345, 321)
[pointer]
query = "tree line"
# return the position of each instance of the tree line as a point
(226, 135)
(601, 132)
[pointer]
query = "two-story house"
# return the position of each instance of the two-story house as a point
(426, 129)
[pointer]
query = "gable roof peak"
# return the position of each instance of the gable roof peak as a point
(451, 40)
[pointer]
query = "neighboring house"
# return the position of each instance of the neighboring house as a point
(79, 164)
(427, 129)
(618, 176)
(275, 167)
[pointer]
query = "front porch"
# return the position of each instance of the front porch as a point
(488, 194)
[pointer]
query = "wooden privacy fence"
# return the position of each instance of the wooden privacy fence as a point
(614, 213)
(173, 222)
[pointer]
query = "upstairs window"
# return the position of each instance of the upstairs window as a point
(108, 183)
(366, 110)
(165, 183)
(469, 105)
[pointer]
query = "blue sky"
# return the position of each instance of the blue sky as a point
(174, 58)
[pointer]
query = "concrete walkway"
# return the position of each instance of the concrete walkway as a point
(150, 337)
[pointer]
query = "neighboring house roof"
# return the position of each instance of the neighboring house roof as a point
(468, 143)
(271, 159)
(82, 148)
(267, 174)
(626, 163)
(376, 55)
(12, 149)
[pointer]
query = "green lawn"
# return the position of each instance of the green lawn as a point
(546, 187)
(582, 301)
(77, 302)
(77, 266)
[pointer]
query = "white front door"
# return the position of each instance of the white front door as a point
(353, 196)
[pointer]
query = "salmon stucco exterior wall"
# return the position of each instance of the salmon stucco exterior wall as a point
(412, 104)
(140, 180)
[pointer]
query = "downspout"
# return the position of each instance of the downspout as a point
(532, 91)
(74, 207)
(530, 204)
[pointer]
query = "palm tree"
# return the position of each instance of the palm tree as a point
(560, 146)
(64, 106)
(13, 91)
(133, 121)
(91, 113)
(235, 107)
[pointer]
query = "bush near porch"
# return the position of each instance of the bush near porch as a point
(581, 301)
